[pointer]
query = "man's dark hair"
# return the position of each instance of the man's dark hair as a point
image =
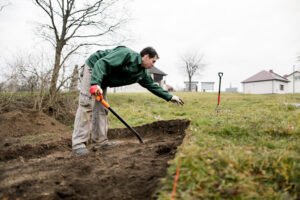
(150, 51)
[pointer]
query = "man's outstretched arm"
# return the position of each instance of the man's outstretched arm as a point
(147, 82)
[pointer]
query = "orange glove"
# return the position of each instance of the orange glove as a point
(94, 89)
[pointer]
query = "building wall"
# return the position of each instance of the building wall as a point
(231, 90)
(133, 88)
(194, 86)
(277, 88)
(263, 87)
(294, 86)
(207, 86)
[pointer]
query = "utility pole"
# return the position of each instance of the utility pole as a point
(293, 79)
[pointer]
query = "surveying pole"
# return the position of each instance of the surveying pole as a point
(293, 79)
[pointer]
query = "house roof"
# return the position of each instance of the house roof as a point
(265, 76)
(196, 82)
(285, 76)
(154, 70)
(169, 86)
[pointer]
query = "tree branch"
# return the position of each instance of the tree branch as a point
(3, 6)
(44, 6)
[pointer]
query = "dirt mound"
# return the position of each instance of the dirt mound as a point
(24, 122)
(128, 171)
(36, 151)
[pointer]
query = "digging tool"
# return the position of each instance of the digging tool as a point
(99, 97)
(220, 74)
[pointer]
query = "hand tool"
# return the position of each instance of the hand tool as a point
(220, 74)
(99, 97)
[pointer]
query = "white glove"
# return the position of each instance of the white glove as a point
(177, 100)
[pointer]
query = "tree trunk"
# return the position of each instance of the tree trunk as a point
(190, 83)
(55, 75)
(74, 80)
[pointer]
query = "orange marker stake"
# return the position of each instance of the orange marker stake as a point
(178, 171)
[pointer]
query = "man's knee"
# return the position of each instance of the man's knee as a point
(85, 101)
(104, 111)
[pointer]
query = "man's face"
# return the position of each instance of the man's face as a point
(148, 62)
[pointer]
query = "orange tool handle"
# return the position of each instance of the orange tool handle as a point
(99, 97)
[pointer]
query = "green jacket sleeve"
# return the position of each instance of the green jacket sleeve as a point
(105, 65)
(147, 82)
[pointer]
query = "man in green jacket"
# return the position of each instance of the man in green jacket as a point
(110, 68)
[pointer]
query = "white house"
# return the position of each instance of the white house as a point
(266, 82)
(157, 76)
(294, 84)
(207, 86)
(231, 90)
(191, 86)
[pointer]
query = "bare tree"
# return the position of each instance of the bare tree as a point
(74, 25)
(30, 73)
(26, 72)
(3, 4)
(192, 64)
(74, 80)
(2, 85)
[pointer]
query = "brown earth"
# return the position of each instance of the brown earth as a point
(23, 122)
(127, 171)
(20, 126)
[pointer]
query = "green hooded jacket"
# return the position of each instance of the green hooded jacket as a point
(122, 66)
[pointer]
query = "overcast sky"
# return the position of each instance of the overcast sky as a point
(237, 37)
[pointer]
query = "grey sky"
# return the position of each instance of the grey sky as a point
(238, 37)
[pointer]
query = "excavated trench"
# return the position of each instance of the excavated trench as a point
(128, 171)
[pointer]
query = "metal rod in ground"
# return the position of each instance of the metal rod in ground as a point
(129, 127)
(219, 94)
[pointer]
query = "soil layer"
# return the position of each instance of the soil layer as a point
(21, 128)
(128, 171)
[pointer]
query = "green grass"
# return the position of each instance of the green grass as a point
(249, 150)
(138, 109)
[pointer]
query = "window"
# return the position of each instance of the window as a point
(281, 87)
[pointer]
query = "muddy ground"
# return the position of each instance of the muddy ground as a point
(128, 171)
(23, 127)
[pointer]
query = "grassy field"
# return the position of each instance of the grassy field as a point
(249, 150)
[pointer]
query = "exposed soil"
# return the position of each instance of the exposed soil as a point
(19, 126)
(128, 171)
(23, 122)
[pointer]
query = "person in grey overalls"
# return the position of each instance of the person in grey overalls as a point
(110, 68)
